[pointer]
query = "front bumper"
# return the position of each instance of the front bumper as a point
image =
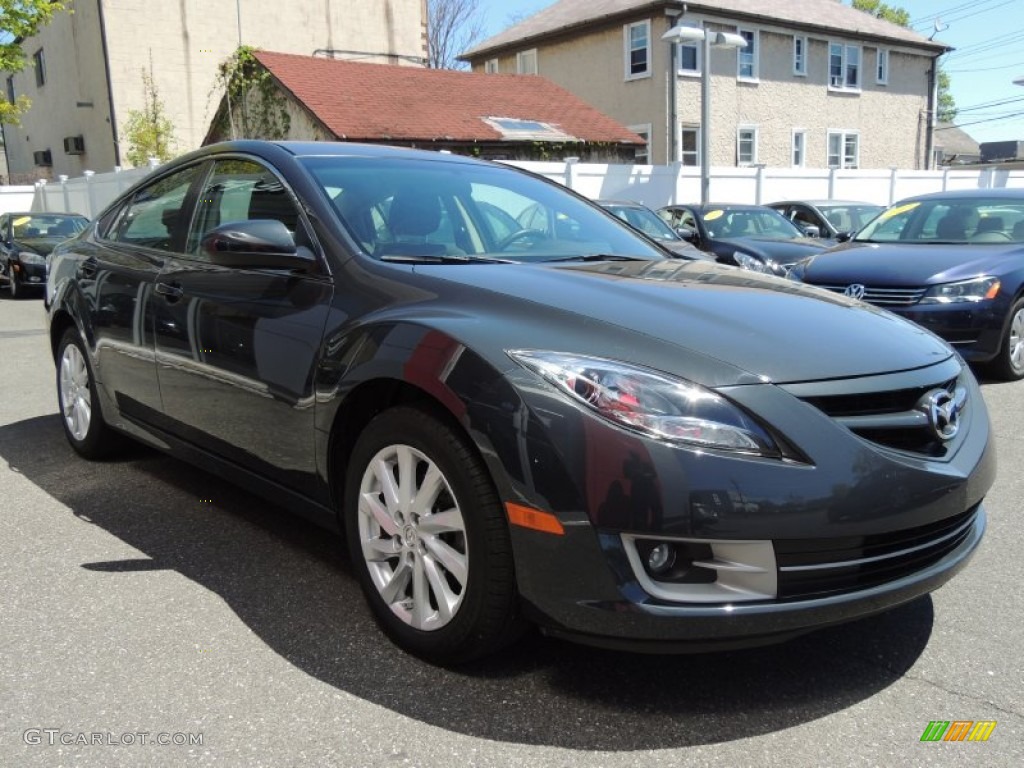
(583, 585)
(30, 275)
(975, 330)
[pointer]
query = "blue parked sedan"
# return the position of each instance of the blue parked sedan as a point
(951, 261)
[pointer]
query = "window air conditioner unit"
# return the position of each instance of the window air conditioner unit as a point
(43, 157)
(74, 145)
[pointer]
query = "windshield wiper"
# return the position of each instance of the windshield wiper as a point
(596, 257)
(442, 259)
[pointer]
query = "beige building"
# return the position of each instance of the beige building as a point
(818, 84)
(85, 71)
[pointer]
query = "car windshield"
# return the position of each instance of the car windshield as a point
(644, 219)
(991, 220)
(32, 226)
(850, 218)
(749, 222)
(421, 209)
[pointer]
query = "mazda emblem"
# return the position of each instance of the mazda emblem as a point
(943, 411)
(855, 291)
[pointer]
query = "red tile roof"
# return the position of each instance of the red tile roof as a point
(386, 102)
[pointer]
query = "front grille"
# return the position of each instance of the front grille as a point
(821, 567)
(889, 418)
(884, 297)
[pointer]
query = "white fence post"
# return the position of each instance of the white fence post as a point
(759, 185)
(41, 187)
(893, 176)
(90, 192)
(831, 183)
(63, 179)
(570, 172)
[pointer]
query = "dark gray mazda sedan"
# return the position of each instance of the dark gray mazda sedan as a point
(556, 426)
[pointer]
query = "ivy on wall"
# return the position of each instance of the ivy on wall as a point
(256, 109)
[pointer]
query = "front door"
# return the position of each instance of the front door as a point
(237, 348)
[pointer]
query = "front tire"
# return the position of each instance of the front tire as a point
(80, 412)
(428, 539)
(13, 283)
(1009, 364)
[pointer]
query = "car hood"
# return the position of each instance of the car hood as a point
(781, 251)
(909, 264)
(40, 245)
(771, 328)
(686, 250)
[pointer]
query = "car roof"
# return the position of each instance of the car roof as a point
(622, 203)
(969, 194)
(823, 203)
(41, 213)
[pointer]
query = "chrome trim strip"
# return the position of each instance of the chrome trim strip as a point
(890, 556)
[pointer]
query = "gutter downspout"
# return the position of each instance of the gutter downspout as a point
(110, 85)
(933, 105)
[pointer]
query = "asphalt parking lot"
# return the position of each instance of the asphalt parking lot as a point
(144, 600)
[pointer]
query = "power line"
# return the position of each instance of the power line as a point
(986, 120)
(984, 69)
(991, 104)
(956, 8)
(963, 12)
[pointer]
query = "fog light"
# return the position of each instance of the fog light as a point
(661, 558)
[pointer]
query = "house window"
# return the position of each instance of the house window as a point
(526, 62)
(746, 145)
(746, 57)
(39, 62)
(638, 49)
(843, 149)
(690, 147)
(643, 154)
(799, 148)
(10, 89)
(688, 54)
(844, 66)
(882, 71)
(491, 66)
(800, 56)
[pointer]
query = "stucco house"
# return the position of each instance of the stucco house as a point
(818, 84)
(510, 117)
(85, 68)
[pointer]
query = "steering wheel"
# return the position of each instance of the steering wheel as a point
(529, 235)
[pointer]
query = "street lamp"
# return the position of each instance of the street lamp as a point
(711, 39)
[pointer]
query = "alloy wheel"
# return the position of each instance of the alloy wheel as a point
(75, 394)
(413, 537)
(1015, 342)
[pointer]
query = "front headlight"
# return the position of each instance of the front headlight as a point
(747, 261)
(978, 289)
(31, 257)
(654, 404)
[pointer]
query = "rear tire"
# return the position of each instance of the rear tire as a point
(13, 283)
(80, 413)
(428, 539)
(1009, 363)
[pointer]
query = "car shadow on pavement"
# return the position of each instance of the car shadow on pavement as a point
(287, 581)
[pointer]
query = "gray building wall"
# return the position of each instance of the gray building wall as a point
(889, 119)
(185, 40)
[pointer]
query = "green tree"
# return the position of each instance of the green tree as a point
(20, 19)
(946, 108)
(148, 131)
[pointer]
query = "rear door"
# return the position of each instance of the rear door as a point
(117, 273)
(237, 348)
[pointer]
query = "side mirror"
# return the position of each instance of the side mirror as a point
(810, 230)
(842, 237)
(256, 244)
(686, 233)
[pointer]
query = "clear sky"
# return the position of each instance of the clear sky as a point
(988, 36)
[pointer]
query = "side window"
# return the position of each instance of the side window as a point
(242, 190)
(153, 218)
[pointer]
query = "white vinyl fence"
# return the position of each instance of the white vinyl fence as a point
(653, 185)
(88, 194)
(659, 185)
(16, 198)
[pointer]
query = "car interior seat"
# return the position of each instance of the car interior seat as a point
(412, 217)
(1018, 231)
(951, 227)
(989, 224)
(63, 228)
(273, 202)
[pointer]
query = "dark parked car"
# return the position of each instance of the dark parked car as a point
(25, 241)
(952, 262)
(748, 236)
(566, 428)
(642, 218)
(834, 219)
